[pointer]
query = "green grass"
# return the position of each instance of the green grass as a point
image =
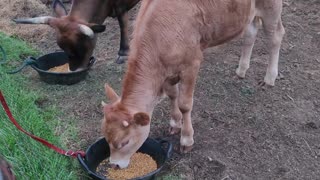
(15, 48)
(30, 159)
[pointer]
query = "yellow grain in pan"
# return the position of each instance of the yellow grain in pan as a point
(62, 68)
(140, 165)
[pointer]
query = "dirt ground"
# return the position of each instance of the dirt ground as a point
(241, 130)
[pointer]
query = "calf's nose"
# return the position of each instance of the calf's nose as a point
(115, 166)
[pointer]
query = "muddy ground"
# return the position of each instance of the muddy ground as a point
(241, 130)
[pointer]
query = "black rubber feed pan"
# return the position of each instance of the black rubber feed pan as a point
(44, 63)
(159, 150)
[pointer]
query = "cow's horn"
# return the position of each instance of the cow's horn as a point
(86, 30)
(36, 20)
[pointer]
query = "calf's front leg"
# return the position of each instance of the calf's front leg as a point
(172, 90)
(185, 100)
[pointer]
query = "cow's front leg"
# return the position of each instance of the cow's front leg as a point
(124, 45)
(187, 84)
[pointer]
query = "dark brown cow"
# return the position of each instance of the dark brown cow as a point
(76, 31)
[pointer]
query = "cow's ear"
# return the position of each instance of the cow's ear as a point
(97, 28)
(141, 118)
(59, 8)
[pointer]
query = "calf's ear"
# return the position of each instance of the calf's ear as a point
(110, 93)
(141, 118)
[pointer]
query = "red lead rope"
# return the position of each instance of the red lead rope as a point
(44, 142)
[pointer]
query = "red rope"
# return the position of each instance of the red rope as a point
(44, 142)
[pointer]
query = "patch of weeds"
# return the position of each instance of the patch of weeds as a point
(247, 91)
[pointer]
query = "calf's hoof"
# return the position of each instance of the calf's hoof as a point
(240, 74)
(270, 78)
(264, 86)
(269, 82)
(185, 149)
(174, 130)
(121, 59)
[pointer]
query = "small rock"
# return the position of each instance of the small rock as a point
(286, 4)
(311, 125)
(268, 106)
(280, 76)
(226, 178)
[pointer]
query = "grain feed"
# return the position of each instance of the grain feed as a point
(62, 68)
(140, 165)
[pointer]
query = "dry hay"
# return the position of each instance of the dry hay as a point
(11, 9)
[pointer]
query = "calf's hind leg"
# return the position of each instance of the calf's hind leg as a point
(274, 31)
(248, 43)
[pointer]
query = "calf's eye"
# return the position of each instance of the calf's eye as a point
(124, 143)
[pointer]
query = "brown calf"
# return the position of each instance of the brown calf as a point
(76, 31)
(165, 57)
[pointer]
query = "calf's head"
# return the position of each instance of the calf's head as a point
(75, 36)
(124, 130)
